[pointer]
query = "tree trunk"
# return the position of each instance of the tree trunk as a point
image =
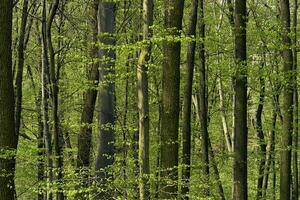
(287, 128)
(260, 135)
(143, 101)
(295, 190)
(271, 155)
(240, 105)
(203, 104)
(170, 100)
(19, 76)
(45, 77)
(106, 149)
(54, 94)
(186, 121)
(211, 153)
(89, 100)
(8, 137)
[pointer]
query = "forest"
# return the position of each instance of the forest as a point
(149, 99)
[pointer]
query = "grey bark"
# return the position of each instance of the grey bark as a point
(170, 100)
(106, 149)
(143, 101)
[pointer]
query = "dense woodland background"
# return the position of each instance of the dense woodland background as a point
(140, 99)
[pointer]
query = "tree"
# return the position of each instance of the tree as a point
(287, 126)
(295, 191)
(170, 98)
(186, 121)
(8, 137)
(143, 101)
(240, 191)
(106, 149)
(89, 101)
(203, 102)
(19, 76)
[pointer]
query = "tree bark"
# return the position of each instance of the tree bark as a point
(143, 101)
(240, 105)
(203, 104)
(170, 100)
(19, 75)
(260, 135)
(106, 149)
(287, 128)
(89, 100)
(8, 137)
(58, 143)
(45, 77)
(186, 121)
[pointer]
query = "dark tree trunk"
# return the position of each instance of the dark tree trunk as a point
(287, 128)
(8, 137)
(89, 100)
(186, 121)
(45, 77)
(170, 100)
(203, 104)
(106, 149)
(260, 135)
(19, 76)
(240, 105)
(58, 142)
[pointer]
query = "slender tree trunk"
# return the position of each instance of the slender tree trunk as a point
(170, 100)
(240, 191)
(287, 129)
(106, 149)
(216, 171)
(45, 77)
(260, 135)
(224, 116)
(211, 153)
(143, 101)
(203, 104)
(186, 121)
(271, 156)
(89, 100)
(54, 94)
(295, 190)
(8, 137)
(19, 76)
(158, 139)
